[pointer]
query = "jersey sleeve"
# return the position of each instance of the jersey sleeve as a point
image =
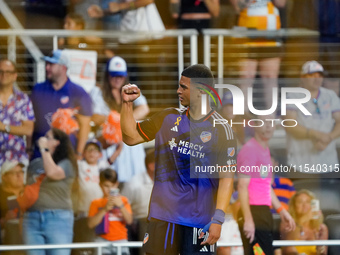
(149, 127)
(93, 208)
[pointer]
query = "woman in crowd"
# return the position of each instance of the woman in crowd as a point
(309, 225)
(107, 100)
(50, 219)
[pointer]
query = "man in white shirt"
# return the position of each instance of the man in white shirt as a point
(311, 145)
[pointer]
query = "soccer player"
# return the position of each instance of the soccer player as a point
(184, 205)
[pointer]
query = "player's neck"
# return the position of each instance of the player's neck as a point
(196, 111)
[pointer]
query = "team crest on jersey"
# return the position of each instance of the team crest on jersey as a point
(231, 151)
(146, 238)
(64, 99)
(205, 136)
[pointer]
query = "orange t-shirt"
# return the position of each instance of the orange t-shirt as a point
(117, 229)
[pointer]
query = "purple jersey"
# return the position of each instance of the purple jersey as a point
(184, 191)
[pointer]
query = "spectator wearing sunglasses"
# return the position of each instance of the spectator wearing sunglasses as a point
(311, 143)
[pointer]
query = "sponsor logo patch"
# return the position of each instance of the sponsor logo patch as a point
(205, 136)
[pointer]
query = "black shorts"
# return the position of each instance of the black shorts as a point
(263, 221)
(165, 238)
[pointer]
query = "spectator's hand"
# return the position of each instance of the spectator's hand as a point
(213, 234)
(117, 201)
(249, 229)
(42, 142)
(287, 220)
(321, 250)
(323, 141)
(320, 146)
(130, 93)
(95, 11)
(110, 204)
(114, 7)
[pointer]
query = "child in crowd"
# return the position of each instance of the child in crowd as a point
(113, 210)
(89, 168)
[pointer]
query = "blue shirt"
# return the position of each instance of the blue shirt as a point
(46, 101)
(184, 193)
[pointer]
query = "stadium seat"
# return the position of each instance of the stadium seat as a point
(326, 190)
(333, 224)
(82, 234)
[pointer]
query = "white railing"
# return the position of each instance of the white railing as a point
(100, 246)
(26, 34)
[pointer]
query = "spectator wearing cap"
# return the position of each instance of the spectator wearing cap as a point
(107, 100)
(58, 92)
(312, 141)
(227, 113)
(16, 116)
(89, 168)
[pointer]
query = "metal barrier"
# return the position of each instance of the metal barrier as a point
(100, 246)
(154, 65)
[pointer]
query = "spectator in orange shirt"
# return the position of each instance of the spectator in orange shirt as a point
(113, 210)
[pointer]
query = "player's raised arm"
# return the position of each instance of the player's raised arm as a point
(127, 122)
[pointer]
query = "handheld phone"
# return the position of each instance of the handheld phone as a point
(12, 203)
(315, 204)
(114, 192)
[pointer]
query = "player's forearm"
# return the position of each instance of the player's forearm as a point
(141, 111)
(224, 192)
(128, 123)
